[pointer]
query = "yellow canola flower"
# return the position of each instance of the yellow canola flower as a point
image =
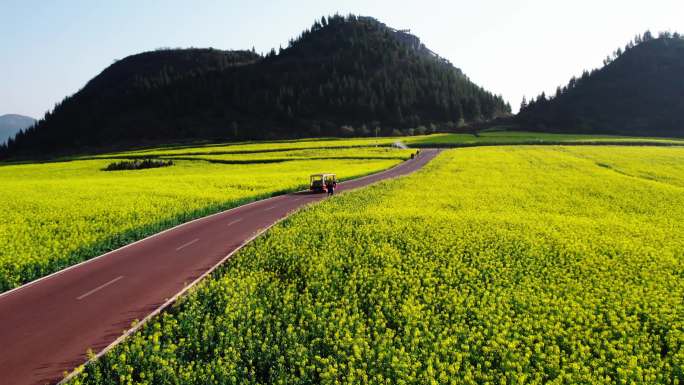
(496, 265)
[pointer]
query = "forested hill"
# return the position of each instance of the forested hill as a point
(639, 91)
(343, 76)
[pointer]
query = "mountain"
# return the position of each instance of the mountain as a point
(343, 76)
(639, 91)
(10, 124)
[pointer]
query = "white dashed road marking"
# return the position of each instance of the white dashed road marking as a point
(186, 244)
(99, 288)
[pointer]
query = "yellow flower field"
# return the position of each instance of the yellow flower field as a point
(58, 214)
(494, 265)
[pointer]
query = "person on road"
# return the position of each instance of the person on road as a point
(330, 186)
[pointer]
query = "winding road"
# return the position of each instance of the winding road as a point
(47, 326)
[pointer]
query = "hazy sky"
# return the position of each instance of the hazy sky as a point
(49, 48)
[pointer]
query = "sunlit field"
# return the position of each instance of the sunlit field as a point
(500, 265)
(520, 137)
(58, 214)
(105, 210)
(256, 147)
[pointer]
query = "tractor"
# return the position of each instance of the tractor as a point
(319, 182)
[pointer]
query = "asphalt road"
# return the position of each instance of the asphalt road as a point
(47, 326)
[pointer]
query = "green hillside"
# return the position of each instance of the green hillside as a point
(345, 76)
(640, 91)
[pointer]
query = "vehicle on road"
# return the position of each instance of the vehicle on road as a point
(319, 182)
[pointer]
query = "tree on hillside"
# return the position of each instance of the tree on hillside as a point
(523, 104)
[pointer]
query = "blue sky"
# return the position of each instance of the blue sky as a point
(49, 49)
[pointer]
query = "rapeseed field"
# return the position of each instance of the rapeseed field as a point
(493, 265)
(57, 214)
(495, 137)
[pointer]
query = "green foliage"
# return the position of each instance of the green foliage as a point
(137, 164)
(58, 214)
(497, 265)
